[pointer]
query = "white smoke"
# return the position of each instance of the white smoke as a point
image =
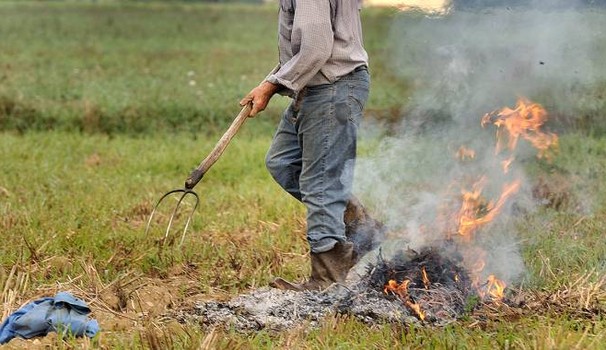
(463, 66)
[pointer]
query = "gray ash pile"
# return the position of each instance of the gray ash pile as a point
(424, 287)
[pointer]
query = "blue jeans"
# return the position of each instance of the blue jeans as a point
(313, 153)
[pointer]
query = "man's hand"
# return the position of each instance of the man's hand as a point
(260, 97)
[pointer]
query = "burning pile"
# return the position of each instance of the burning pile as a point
(362, 297)
(432, 285)
(468, 214)
(428, 278)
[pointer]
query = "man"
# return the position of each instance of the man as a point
(323, 67)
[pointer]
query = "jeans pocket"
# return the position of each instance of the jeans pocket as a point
(357, 97)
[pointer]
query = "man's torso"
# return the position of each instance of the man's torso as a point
(347, 52)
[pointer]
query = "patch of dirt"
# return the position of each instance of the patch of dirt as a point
(554, 191)
(93, 160)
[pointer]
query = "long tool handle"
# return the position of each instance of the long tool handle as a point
(214, 155)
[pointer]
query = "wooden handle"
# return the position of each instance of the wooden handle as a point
(214, 155)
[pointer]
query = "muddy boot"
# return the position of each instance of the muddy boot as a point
(326, 268)
(361, 229)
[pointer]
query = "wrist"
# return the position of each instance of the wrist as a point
(270, 87)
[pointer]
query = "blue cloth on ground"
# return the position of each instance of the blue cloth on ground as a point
(63, 314)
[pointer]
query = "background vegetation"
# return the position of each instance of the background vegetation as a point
(105, 107)
(143, 68)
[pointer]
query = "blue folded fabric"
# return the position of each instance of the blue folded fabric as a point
(62, 314)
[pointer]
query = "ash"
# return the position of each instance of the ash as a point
(362, 296)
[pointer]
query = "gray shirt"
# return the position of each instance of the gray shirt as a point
(319, 41)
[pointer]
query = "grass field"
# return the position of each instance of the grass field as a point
(141, 68)
(105, 107)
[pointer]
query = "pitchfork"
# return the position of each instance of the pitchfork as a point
(197, 174)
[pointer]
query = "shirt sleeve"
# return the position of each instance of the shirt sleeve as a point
(273, 71)
(282, 90)
(312, 40)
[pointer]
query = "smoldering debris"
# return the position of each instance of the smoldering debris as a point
(365, 298)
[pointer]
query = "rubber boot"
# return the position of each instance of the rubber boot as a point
(326, 268)
(361, 229)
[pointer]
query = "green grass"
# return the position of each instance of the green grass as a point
(99, 117)
(129, 68)
(134, 68)
(102, 190)
(74, 203)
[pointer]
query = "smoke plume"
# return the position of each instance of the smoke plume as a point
(462, 66)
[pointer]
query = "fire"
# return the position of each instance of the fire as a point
(475, 211)
(524, 121)
(425, 278)
(416, 308)
(401, 290)
(493, 288)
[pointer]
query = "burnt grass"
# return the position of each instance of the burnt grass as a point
(444, 300)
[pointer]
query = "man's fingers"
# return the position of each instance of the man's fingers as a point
(256, 108)
(246, 100)
(259, 105)
(259, 98)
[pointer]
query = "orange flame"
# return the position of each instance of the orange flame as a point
(425, 278)
(416, 308)
(493, 288)
(524, 121)
(401, 290)
(475, 212)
